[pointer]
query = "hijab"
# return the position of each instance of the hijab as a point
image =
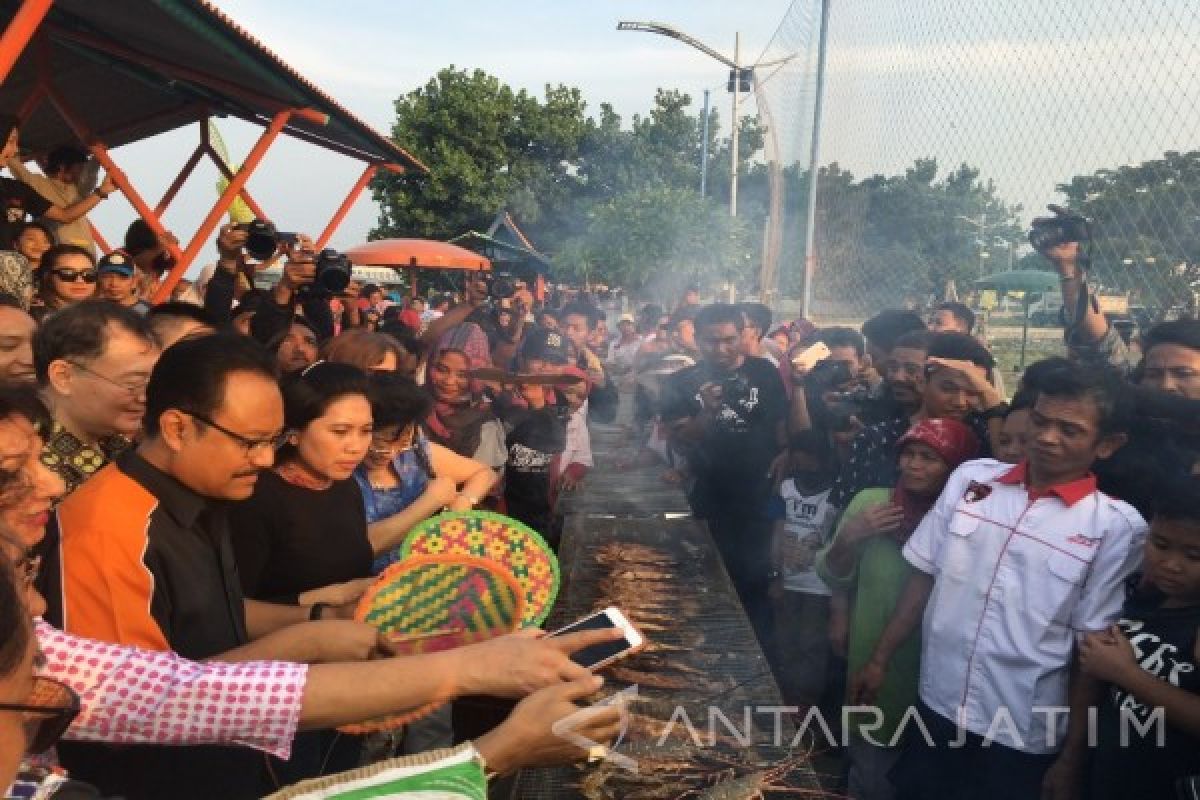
(953, 441)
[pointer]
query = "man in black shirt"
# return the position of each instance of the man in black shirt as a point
(146, 559)
(726, 414)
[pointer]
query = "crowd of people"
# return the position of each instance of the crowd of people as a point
(936, 567)
(194, 495)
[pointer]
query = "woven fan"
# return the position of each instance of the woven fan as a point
(433, 603)
(512, 544)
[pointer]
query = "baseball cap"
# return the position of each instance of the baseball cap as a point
(626, 317)
(117, 262)
(550, 346)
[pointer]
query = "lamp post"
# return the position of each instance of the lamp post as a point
(983, 228)
(737, 75)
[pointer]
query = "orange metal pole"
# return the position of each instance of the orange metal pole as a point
(19, 32)
(119, 178)
(339, 216)
(180, 179)
(33, 101)
(223, 203)
(105, 247)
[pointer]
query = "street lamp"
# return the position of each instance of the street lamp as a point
(983, 228)
(739, 81)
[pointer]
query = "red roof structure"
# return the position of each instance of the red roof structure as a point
(118, 71)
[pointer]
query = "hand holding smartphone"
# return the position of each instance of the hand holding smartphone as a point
(601, 655)
(810, 357)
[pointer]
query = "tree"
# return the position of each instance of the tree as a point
(886, 239)
(1144, 232)
(659, 239)
(604, 200)
(488, 148)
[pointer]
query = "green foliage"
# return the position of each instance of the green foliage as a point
(488, 148)
(1145, 233)
(619, 204)
(660, 239)
(609, 202)
(884, 239)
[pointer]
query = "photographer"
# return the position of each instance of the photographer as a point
(1090, 338)
(726, 415)
(482, 306)
(954, 384)
(274, 316)
(843, 371)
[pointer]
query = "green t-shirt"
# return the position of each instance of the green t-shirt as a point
(874, 588)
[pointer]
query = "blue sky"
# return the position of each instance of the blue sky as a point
(366, 53)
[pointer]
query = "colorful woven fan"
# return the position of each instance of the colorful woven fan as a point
(512, 544)
(432, 603)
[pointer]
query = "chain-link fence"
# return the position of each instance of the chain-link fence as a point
(949, 125)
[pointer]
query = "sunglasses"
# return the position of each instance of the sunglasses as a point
(74, 275)
(51, 709)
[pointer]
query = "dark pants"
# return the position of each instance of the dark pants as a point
(743, 539)
(966, 771)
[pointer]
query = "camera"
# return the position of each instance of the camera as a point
(829, 374)
(333, 271)
(262, 239)
(502, 286)
(1065, 226)
(734, 387)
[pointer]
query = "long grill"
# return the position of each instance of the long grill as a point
(666, 575)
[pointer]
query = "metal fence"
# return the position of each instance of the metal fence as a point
(949, 124)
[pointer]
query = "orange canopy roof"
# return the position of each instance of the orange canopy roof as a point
(421, 253)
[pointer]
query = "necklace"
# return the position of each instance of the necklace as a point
(298, 476)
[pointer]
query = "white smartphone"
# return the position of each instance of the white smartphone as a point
(601, 655)
(809, 357)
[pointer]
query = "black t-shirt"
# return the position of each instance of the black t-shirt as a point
(20, 203)
(730, 462)
(288, 539)
(533, 438)
(1164, 640)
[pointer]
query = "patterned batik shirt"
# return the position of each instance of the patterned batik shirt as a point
(73, 460)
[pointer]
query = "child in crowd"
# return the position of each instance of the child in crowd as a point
(1014, 434)
(1148, 662)
(864, 566)
(803, 518)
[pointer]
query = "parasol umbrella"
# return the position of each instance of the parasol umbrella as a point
(414, 254)
(1026, 281)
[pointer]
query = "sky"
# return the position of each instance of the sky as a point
(1031, 92)
(367, 53)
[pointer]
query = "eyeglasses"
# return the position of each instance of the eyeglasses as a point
(251, 446)
(134, 386)
(51, 709)
(403, 440)
(74, 275)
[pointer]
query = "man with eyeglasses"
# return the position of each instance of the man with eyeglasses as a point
(92, 361)
(145, 556)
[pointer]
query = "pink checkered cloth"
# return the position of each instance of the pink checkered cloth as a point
(135, 696)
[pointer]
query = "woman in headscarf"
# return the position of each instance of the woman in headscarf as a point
(405, 478)
(461, 419)
(864, 567)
